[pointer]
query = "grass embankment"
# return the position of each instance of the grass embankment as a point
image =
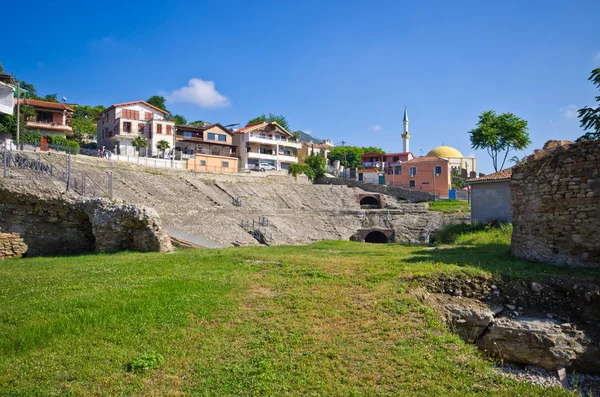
(449, 206)
(332, 318)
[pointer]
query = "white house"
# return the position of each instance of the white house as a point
(121, 123)
(7, 102)
(267, 142)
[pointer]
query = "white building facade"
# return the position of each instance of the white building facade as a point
(120, 124)
(266, 142)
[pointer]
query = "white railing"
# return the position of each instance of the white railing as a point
(148, 161)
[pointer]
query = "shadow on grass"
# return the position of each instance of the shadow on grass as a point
(496, 258)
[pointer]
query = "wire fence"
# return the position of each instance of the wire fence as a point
(28, 162)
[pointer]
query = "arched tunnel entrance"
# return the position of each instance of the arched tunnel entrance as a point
(376, 237)
(369, 202)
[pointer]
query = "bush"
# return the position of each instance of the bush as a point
(32, 137)
(59, 143)
(297, 169)
(450, 233)
(145, 362)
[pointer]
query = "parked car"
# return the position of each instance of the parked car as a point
(265, 167)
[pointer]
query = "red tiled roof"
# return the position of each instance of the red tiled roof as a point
(372, 154)
(496, 176)
(370, 169)
(249, 127)
(133, 103)
(398, 154)
(46, 105)
(426, 159)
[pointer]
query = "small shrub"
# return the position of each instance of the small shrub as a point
(32, 137)
(297, 169)
(145, 362)
(450, 233)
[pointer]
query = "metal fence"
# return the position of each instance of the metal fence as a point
(27, 162)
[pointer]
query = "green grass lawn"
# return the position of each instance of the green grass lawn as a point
(449, 206)
(331, 318)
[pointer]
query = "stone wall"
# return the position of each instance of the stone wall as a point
(414, 196)
(11, 246)
(54, 225)
(555, 196)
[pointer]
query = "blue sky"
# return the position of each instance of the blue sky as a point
(340, 69)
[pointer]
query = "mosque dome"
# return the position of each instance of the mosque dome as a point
(445, 152)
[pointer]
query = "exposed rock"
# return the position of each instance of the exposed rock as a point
(541, 342)
(535, 287)
(11, 246)
(52, 224)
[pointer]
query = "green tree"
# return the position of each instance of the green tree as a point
(499, 134)
(84, 121)
(590, 117)
(139, 142)
(50, 98)
(278, 118)
(162, 145)
(349, 156)
(179, 119)
(158, 101)
(1, 68)
(316, 164)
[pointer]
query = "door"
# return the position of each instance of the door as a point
(44, 145)
(360, 176)
(382, 179)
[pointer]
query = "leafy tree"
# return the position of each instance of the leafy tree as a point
(179, 119)
(31, 91)
(499, 134)
(349, 156)
(50, 98)
(158, 101)
(278, 118)
(590, 117)
(316, 164)
(1, 68)
(33, 137)
(84, 121)
(162, 145)
(139, 142)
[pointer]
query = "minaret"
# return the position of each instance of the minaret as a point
(405, 135)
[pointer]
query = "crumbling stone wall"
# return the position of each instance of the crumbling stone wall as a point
(555, 196)
(51, 225)
(11, 246)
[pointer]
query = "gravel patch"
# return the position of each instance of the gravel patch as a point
(586, 385)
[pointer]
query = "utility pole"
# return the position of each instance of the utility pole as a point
(18, 112)
(345, 164)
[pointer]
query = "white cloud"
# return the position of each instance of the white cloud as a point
(201, 93)
(569, 111)
(375, 127)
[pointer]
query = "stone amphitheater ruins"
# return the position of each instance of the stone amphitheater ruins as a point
(217, 210)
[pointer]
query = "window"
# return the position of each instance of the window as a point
(396, 159)
(438, 170)
(412, 183)
(424, 183)
(130, 114)
(43, 117)
(222, 138)
(398, 170)
(212, 136)
(169, 129)
(140, 128)
(225, 164)
(203, 163)
(159, 128)
(127, 126)
(413, 171)
(187, 134)
(149, 115)
(390, 170)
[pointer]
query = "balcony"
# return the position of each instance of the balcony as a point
(255, 155)
(266, 139)
(136, 117)
(189, 138)
(49, 125)
(288, 158)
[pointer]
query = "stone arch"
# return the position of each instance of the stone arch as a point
(377, 237)
(370, 201)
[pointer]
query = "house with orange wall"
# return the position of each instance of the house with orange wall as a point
(421, 173)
